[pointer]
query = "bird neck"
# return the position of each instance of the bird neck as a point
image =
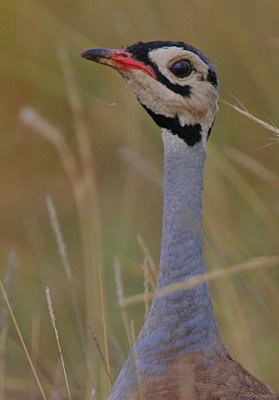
(181, 247)
(182, 321)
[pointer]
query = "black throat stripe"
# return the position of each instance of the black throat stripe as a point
(191, 134)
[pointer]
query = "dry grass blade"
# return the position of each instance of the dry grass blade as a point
(8, 304)
(151, 267)
(101, 354)
(30, 117)
(85, 149)
(103, 311)
(8, 284)
(121, 298)
(244, 188)
(266, 125)
(149, 272)
(4, 313)
(135, 357)
(260, 262)
(67, 267)
(59, 238)
(146, 286)
(35, 336)
(90, 220)
(83, 136)
(52, 318)
(252, 165)
(186, 378)
(144, 167)
(68, 270)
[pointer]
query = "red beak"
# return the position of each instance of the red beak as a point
(119, 59)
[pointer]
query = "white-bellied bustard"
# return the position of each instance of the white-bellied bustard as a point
(179, 351)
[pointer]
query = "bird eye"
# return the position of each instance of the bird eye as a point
(181, 69)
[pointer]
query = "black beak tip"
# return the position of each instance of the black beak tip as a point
(86, 54)
(96, 54)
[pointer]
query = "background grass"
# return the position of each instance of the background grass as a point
(113, 192)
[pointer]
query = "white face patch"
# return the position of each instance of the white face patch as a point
(155, 95)
(165, 57)
(200, 107)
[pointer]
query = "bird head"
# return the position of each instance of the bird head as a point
(175, 83)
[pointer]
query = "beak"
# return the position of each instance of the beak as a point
(119, 59)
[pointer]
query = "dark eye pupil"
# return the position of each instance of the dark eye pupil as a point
(181, 69)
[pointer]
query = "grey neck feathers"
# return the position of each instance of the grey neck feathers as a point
(183, 321)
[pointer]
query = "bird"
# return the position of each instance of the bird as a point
(179, 353)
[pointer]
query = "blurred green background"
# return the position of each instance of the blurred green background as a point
(107, 190)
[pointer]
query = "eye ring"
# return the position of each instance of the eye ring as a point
(181, 68)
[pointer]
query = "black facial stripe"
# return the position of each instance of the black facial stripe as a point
(141, 50)
(209, 131)
(212, 77)
(191, 134)
(143, 57)
(183, 90)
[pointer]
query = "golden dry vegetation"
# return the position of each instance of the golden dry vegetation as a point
(81, 186)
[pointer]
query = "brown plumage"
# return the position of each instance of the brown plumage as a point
(203, 376)
(210, 378)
